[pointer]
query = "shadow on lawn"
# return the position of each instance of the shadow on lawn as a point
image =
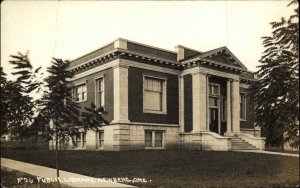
(173, 168)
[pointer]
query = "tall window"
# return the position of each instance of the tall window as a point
(79, 93)
(214, 89)
(153, 139)
(100, 139)
(154, 95)
(100, 92)
(80, 140)
(242, 106)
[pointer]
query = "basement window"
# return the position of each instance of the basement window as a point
(154, 139)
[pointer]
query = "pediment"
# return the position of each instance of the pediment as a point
(222, 55)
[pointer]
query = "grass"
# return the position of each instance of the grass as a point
(174, 168)
(12, 178)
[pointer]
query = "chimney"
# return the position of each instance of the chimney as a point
(120, 43)
(180, 52)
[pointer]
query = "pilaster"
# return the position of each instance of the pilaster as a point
(120, 94)
(181, 103)
(199, 102)
(235, 106)
(91, 139)
(228, 108)
(207, 102)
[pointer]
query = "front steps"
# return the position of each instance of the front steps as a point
(240, 144)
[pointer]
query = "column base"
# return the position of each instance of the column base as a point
(231, 133)
(120, 121)
(228, 134)
(200, 131)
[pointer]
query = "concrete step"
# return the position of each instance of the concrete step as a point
(240, 144)
(236, 149)
(243, 146)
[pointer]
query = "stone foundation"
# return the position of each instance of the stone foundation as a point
(205, 140)
(131, 136)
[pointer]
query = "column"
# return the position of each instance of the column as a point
(228, 108)
(91, 139)
(199, 102)
(235, 106)
(181, 103)
(120, 94)
(207, 102)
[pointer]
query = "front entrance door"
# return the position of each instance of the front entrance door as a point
(214, 120)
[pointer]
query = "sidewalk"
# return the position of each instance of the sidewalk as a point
(270, 152)
(67, 178)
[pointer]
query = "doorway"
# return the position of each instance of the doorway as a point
(215, 114)
(214, 120)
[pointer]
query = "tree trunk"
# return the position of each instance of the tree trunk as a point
(56, 153)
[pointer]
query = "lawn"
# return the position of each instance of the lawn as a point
(12, 178)
(173, 168)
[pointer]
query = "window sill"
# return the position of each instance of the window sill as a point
(154, 112)
(154, 148)
(243, 120)
(79, 148)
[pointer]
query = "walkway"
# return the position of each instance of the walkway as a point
(270, 152)
(67, 178)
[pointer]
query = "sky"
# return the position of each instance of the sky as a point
(70, 29)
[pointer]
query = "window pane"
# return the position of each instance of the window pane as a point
(158, 143)
(83, 96)
(100, 84)
(216, 89)
(80, 93)
(157, 85)
(83, 139)
(242, 106)
(102, 98)
(100, 139)
(78, 140)
(153, 94)
(148, 135)
(158, 135)
(213, 102)
(150, 84)
(210, 89)
(152, 100)
(158, 139)
(84, 88)
(100, 92)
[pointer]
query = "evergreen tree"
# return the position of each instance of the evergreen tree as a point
(57, 105)
(4, 102)
(276, 92)
(17, 106)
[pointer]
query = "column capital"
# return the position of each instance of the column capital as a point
(233, 80)
(120, 66)
(199, 73)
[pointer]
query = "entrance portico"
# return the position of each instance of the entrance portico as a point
(215, 106)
